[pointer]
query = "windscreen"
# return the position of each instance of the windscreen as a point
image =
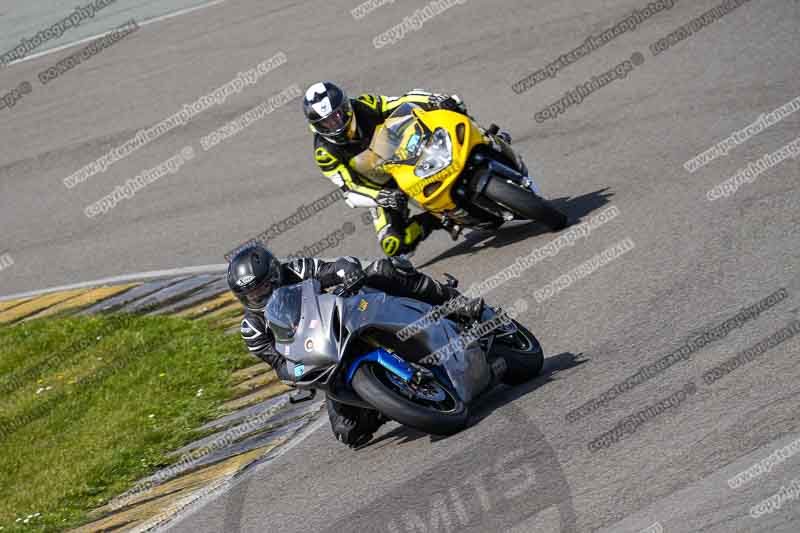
(399, 140)
(283, 311)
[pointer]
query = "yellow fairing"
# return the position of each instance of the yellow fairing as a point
(439, 200)
(398, 146)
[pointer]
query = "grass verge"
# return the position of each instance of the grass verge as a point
(88, 405)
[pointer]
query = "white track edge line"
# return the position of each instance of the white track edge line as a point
(127, 278)
(103, 34)
(139, 276)
(227, 485)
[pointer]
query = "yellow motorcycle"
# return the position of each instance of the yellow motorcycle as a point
(449, 166)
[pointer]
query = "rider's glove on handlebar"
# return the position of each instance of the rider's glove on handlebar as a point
(392, 199)
(351, 282)
(453, 103)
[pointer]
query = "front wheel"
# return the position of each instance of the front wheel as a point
(430, 406)
(523, 355)
(525, 203)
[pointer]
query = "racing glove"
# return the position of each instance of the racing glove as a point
(277, 362)
(392, 199)
(452, 103)
(351, 282)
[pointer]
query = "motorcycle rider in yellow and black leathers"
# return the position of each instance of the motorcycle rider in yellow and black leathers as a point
(343, 128)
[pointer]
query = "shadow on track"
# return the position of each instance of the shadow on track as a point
(512, 478)
(502, 395)
(575, 208)
(397, 436)
(485, 405)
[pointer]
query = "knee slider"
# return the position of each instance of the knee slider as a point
(392, 244)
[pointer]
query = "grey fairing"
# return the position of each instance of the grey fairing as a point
(467, 369)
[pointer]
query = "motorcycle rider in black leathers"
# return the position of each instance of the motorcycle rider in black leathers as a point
(343, 128)
(254, 273)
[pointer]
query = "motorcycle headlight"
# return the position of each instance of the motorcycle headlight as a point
(436, 156)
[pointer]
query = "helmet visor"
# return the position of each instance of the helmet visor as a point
(335, 122)
(258, 296)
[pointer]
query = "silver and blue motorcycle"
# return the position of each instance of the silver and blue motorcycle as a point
(346, 344)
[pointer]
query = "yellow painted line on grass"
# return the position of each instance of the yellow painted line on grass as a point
(249, 372)
(247, 387)
(38, 304)
(164, 500)
(265, 393)
(229, 323)
(11, 303)
(231, 310)
(209, 305)
(85, 300)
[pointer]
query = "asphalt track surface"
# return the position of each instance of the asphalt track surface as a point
(521, 466)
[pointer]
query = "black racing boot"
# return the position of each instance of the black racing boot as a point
(469, 310)
(505, 136)
(451, 227)
(495, 131)
(463, 309)
(351, 425)
(398, 277)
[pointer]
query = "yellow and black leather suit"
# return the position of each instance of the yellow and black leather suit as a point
(398, 233)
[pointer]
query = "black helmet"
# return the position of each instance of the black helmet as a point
(329, 112)
(253, 274)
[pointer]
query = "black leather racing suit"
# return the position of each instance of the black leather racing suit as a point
(394, 276)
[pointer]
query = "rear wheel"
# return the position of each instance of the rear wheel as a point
(430, 406)
(523, 355)
(525, 203)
